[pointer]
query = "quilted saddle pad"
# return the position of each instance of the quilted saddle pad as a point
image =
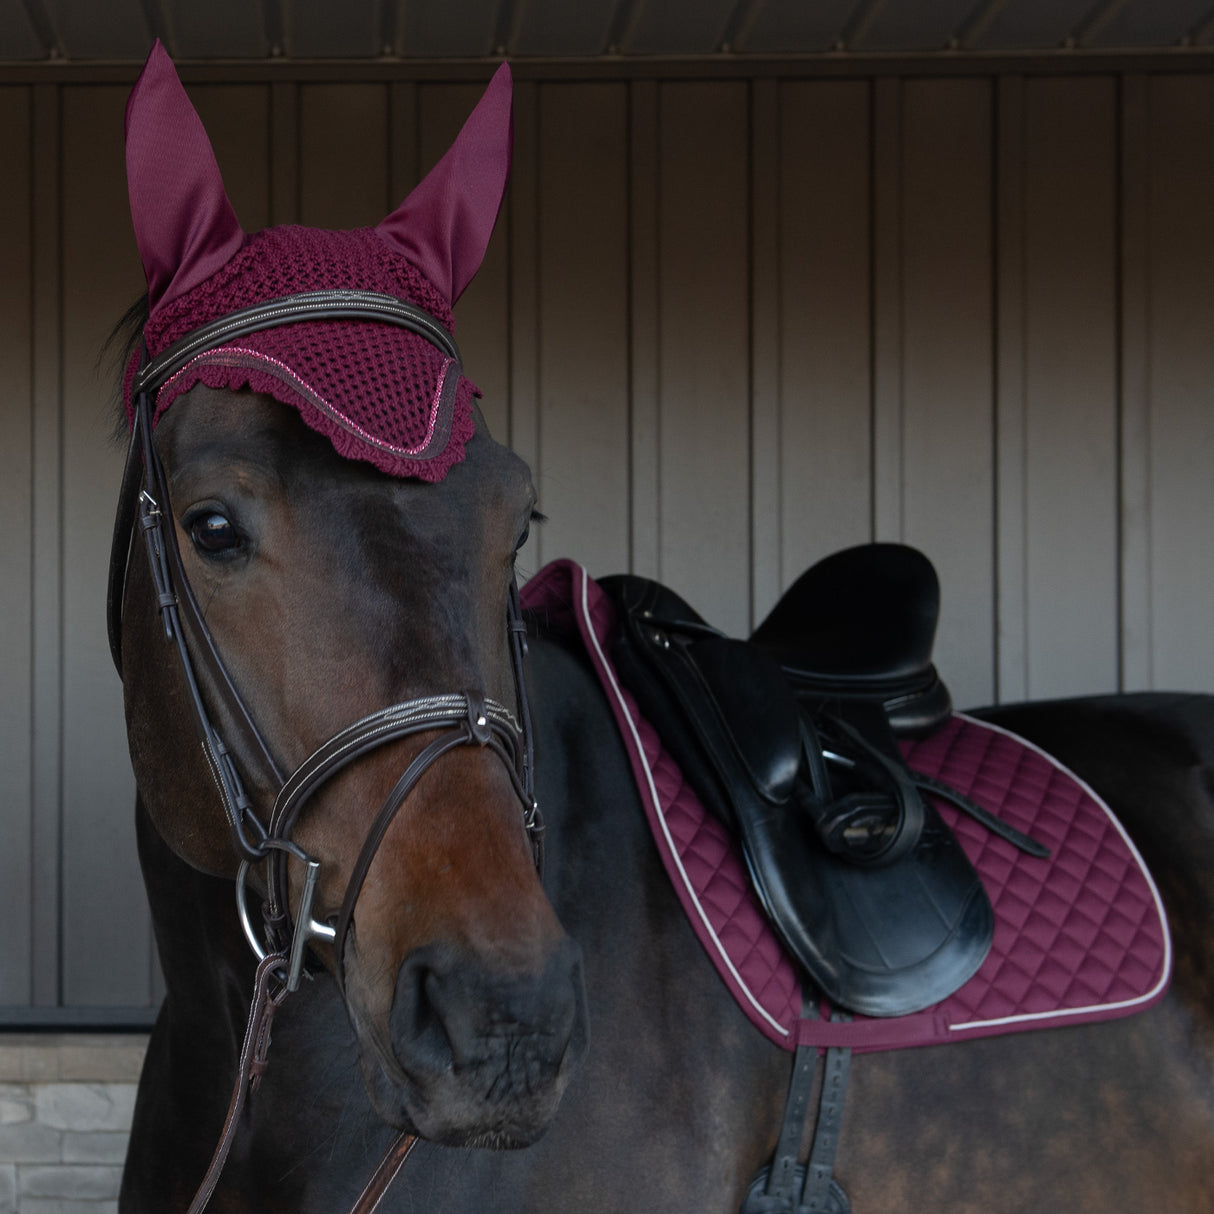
(1079, 937)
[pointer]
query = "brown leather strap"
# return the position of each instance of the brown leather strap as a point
(375, 1188)
(249, 1072)
(266, 1002)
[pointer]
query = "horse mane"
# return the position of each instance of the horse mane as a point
(116, 351)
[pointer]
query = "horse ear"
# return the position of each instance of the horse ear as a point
(185, 226)
(444, 226)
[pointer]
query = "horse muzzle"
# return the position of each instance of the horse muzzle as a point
(473, 1056)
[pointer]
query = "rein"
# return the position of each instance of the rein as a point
(464, 718)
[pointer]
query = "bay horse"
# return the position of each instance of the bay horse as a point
(543, 1037)
(678, 1100)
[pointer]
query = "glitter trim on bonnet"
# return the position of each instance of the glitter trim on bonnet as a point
(374, 390)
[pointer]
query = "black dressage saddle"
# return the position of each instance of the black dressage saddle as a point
(790, 738)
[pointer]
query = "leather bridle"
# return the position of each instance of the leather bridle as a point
(462, 718)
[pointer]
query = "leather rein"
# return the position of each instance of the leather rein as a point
(463, 718)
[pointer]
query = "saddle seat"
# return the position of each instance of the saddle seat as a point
(859, 625)
(889, 925)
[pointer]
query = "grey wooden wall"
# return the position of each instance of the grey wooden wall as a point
(733, 324)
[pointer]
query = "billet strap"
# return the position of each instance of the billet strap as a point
(782, 1182)
(784, 1186)
(822, 1194)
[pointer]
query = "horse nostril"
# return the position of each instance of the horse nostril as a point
(454, 1014)
(419, 1039)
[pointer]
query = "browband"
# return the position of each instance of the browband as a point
(310, 305)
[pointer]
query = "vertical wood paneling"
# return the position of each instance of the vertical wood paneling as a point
(523, 303)
(1181, 419)
(766, 521)
(404, 154)
(1135, 388)
(704, 346)
(46, 574)
(343, 155)
(237, 119)
(886, 475)
(732, 326)
(1011, 662)
(645, 386)
(16, 550)
(105, 933)
(1071, 386)
(825, 321)
(947, 385)
(583, 322)
(283, 153)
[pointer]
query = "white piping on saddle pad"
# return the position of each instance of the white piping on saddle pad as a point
(655, 801)
(1165, 973)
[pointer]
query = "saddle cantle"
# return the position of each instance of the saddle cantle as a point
(863, 881)
(858, 628)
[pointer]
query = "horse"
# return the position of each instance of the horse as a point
(473, 1019)
(363, 588)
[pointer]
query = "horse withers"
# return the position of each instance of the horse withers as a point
(321, 658)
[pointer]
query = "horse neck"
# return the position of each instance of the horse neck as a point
(207, 966)
(598, 853)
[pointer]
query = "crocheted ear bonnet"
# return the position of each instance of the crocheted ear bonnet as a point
(378, 392)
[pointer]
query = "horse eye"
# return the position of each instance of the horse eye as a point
(535, 517)
(214, 533)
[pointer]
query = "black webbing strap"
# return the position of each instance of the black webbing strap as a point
(785, 1186)
(821, 1193)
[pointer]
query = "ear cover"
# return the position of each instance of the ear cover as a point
(379, 393)
(185, 226)
(444, 225)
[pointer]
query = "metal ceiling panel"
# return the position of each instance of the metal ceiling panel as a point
(659, 28)
(324, 29)
(907, 26)
(1030, 25)
(792, 27)
(18, 38)
(117, 29)
(222, 29)
(561, 29)
(438, 29)
(1149, 23)
(85, 31)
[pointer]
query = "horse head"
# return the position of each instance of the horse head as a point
(333, 564)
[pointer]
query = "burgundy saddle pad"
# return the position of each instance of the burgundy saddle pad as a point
(1080, 936)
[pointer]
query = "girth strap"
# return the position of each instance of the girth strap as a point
(784, 1186)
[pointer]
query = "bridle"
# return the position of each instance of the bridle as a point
(461, 718)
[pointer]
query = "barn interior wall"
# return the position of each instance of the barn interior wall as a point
(732, 324)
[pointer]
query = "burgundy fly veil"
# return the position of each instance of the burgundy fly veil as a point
(393, 396)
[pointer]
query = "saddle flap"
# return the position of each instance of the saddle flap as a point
(728, 701)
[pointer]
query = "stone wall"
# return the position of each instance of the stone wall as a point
(65, 1112)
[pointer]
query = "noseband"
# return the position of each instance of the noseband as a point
(464, 718)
